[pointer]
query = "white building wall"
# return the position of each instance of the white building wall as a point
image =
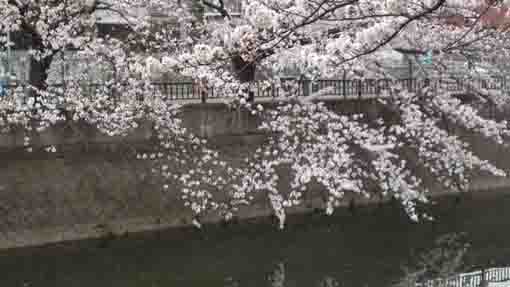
(17, 65)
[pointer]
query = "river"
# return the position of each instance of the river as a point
(360, 246)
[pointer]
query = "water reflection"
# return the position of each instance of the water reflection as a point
(363, 249)
(329, 282)
(444, 265)
(277, 278)
(445, 259)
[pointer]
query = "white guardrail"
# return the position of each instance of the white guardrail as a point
(493, 277)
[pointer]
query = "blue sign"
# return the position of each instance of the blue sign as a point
(3, 88)
(427, 59)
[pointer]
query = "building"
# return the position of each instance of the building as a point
(421, 63)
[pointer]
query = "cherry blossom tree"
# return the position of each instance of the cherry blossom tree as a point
(234, 52)
(345, 153)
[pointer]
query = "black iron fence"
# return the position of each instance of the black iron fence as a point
(340, 88)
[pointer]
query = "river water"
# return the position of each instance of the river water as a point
(360, 246)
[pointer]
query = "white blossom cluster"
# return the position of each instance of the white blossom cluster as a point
(445, 155)
(469, 118)
(340, 153)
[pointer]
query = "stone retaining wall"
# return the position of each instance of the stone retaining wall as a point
(94, 186)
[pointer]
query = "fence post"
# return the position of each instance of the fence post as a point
(344, 88)
(203, 93)
(251, 93)
(203, 97)
(309, 90)
(359, 89)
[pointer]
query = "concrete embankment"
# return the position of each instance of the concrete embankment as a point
(94, 186)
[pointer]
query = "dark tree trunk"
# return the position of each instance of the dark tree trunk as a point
(38, 73)
(38, 68)
(37, 76)
(245, 72)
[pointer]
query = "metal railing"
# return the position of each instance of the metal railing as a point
(339, 88)
(472, 279)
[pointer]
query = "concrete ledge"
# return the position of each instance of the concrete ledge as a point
(44, 236)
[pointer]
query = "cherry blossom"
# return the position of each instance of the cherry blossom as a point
(311, 145)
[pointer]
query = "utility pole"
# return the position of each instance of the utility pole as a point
(5, 71)
(9, 55)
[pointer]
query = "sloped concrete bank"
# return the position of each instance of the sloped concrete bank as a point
(94, 186)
